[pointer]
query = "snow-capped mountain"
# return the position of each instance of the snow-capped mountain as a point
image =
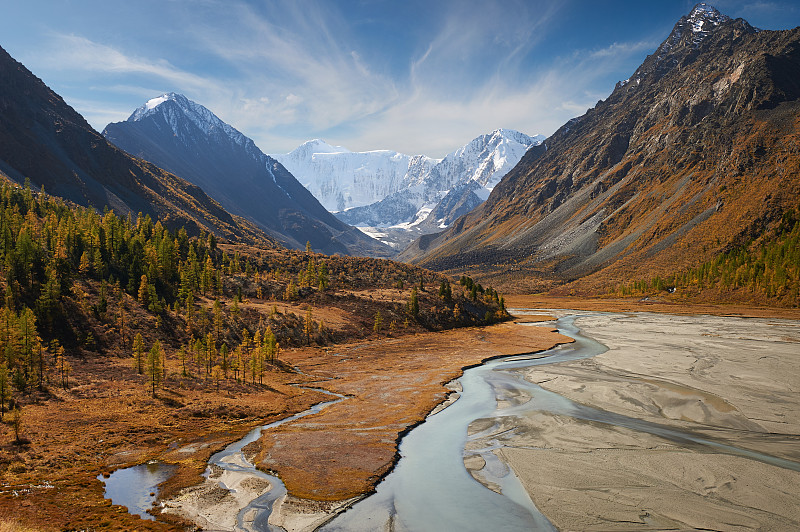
(341, 179)
(386, 188)
(690, 30)
(190, 141)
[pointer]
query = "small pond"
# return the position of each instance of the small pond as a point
(137, 487)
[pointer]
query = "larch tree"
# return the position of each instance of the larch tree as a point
(16, 423)
(218, 321)
(138, 353)
(154, 366)
(5, 389)
(308, 326)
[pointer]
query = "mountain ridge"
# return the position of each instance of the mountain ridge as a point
(657, 169)
(387, 189)
(45, 140)
(188, 139)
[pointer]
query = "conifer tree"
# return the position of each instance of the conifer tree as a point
(223, 351)
(144, 291)
(217, 320)
(308, 327)
(182, 357)
(154, 366)
(413, 303)
(16, 423)
(271, 344)
(5, 389)
(138, 353)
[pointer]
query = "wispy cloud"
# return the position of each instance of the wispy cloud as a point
(77, 53)
(534, 102)
(304, 66)
(283, 72)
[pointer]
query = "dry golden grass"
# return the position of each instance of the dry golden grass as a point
(390, 385)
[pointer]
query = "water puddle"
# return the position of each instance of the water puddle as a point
(137, 487)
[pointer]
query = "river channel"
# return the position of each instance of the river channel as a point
(430, 488)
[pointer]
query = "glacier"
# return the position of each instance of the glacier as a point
(384, 188)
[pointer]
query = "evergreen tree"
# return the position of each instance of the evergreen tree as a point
(308, 327)
(413, 303)
(5, 389)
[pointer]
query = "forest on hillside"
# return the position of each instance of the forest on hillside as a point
(763, 271)
(80, 283)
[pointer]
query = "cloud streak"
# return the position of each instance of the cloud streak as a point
(73, 52)
(283, 72)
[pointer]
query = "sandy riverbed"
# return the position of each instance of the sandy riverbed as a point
(730, 379)
(340, 453)
(215, 504)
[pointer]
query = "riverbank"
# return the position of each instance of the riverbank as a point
(609, 304)
(725, 379)
(328, 460)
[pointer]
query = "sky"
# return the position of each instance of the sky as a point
(418, 77)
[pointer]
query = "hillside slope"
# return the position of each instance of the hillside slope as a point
(696, 154)
(45, 140)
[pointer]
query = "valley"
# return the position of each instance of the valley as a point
(595, 329)
(109, 422)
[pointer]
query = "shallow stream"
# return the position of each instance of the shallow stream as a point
(430, 488)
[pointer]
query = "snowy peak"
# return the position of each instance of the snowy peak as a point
(150, 106)
(312, 147)
(704, 17)
(487, 158)
(320, 146)
(686, 37)
(341, 179)
(176, 110)
(695, 27)
(384, 188)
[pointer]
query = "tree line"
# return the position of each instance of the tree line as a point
(768, 270)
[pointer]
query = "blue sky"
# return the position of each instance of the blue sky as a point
(420, 77)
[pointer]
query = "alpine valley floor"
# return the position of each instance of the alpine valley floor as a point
(723, 379)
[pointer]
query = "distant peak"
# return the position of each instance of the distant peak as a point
(319, 146)
(688, 33)
(151, 104)
(514, 135)
(183, 111)
(704, 17)
(155, 102)
(316, 142)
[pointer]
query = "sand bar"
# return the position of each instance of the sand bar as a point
(730, 379)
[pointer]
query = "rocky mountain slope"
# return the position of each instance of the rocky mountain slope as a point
(187, 139)
(697, 153)
(387, 188)
(45, 140)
